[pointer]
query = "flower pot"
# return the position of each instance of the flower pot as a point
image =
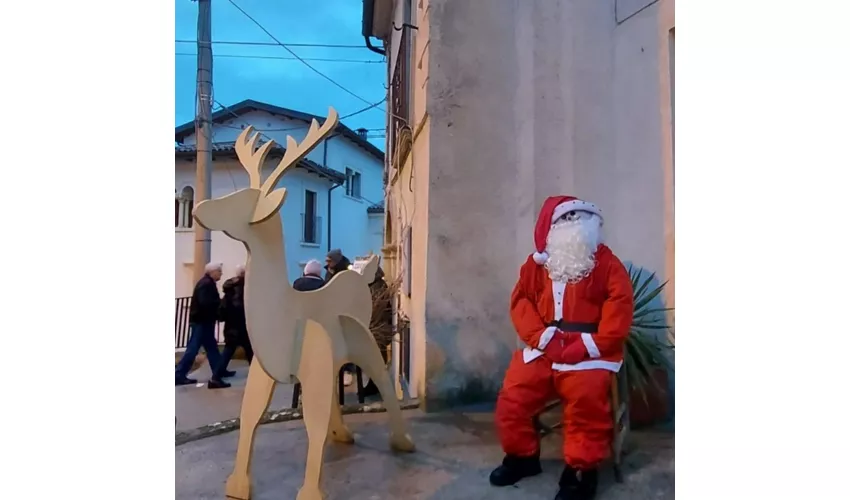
(654, 409)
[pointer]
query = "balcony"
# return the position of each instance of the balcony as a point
(400, 90)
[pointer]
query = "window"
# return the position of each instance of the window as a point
(310, 223)
(400, 88)
(352, 183)
(183, 205)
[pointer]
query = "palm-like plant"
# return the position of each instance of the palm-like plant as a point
(644, 351)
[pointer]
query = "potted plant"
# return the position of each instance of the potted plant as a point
(646, 363)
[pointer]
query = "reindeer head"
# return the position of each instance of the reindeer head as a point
(236, 212)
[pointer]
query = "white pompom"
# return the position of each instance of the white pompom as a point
(540, 257)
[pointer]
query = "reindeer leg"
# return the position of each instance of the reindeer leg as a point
(316, 373)
(338, 431)
(363, 351)
(258, 394)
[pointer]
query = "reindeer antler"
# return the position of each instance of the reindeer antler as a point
(295, 151)
(250, 159)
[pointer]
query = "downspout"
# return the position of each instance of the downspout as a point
(325, 164)
(368, 14)
(329, 214)
(374, 49)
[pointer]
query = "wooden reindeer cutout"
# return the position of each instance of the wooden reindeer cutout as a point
(305, 334)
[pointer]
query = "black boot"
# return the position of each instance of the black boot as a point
(514, 468)
(577, 485)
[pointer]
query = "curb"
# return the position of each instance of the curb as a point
(271, 417)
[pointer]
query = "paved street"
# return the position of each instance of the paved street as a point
(196, 406)
(455, 455)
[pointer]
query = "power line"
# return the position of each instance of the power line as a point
(246, 56)
(326, 77)
(273, 44)
(367, 108)
(349, 115)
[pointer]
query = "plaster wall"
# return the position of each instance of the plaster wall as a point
(527, 100)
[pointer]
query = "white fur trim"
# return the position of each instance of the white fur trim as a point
(590, 345)
(592, 364)
(529, 354)
(559, 290)
(546, 337)
(540, 258)
(575, 205)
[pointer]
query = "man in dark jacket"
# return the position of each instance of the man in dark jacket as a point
(335, 262)
(232, 312)
(312, 279)
(203, 314)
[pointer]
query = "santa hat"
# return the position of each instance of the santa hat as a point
(553, 208)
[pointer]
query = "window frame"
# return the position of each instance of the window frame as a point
(352, 174)
(184, 209)
(315, 222)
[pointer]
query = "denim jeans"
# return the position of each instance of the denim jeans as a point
(227, 355)
(201, 335)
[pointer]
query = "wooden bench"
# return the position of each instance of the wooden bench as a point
(619, 414)
(361, 398)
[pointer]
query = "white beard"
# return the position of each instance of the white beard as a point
(571, 246)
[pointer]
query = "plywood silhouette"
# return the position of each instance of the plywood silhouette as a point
(308, 335)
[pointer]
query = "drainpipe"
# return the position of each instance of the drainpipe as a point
(325, 164)
(366, 31)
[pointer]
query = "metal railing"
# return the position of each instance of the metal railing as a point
(400, 89)
(181, 323)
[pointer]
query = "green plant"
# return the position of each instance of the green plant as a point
(644, 351)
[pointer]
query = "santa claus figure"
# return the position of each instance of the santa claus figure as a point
(572, 307)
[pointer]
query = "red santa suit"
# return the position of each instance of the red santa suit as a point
(575, 334)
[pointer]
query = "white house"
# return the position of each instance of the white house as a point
(334, 196)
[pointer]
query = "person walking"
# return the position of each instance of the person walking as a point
(311, 279)
(203, 314)
(235, 329)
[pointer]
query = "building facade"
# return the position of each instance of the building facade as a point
(495, 106)
(334, 196)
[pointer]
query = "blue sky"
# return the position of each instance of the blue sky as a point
(287, 83)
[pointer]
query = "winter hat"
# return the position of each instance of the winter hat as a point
(335, 255)
(313, 267)
(553, 208)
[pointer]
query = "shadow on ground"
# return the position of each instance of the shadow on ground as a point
(455, 455)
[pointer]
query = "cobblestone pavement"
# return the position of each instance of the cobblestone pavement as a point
(196, 406)
(455, 455)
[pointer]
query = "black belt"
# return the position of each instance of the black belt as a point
(567, 326)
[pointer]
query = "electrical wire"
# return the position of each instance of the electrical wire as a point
(283, 58)
(273, 44)
(326, 77)
(343, 117)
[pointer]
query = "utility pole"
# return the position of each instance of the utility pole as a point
(203, 133)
